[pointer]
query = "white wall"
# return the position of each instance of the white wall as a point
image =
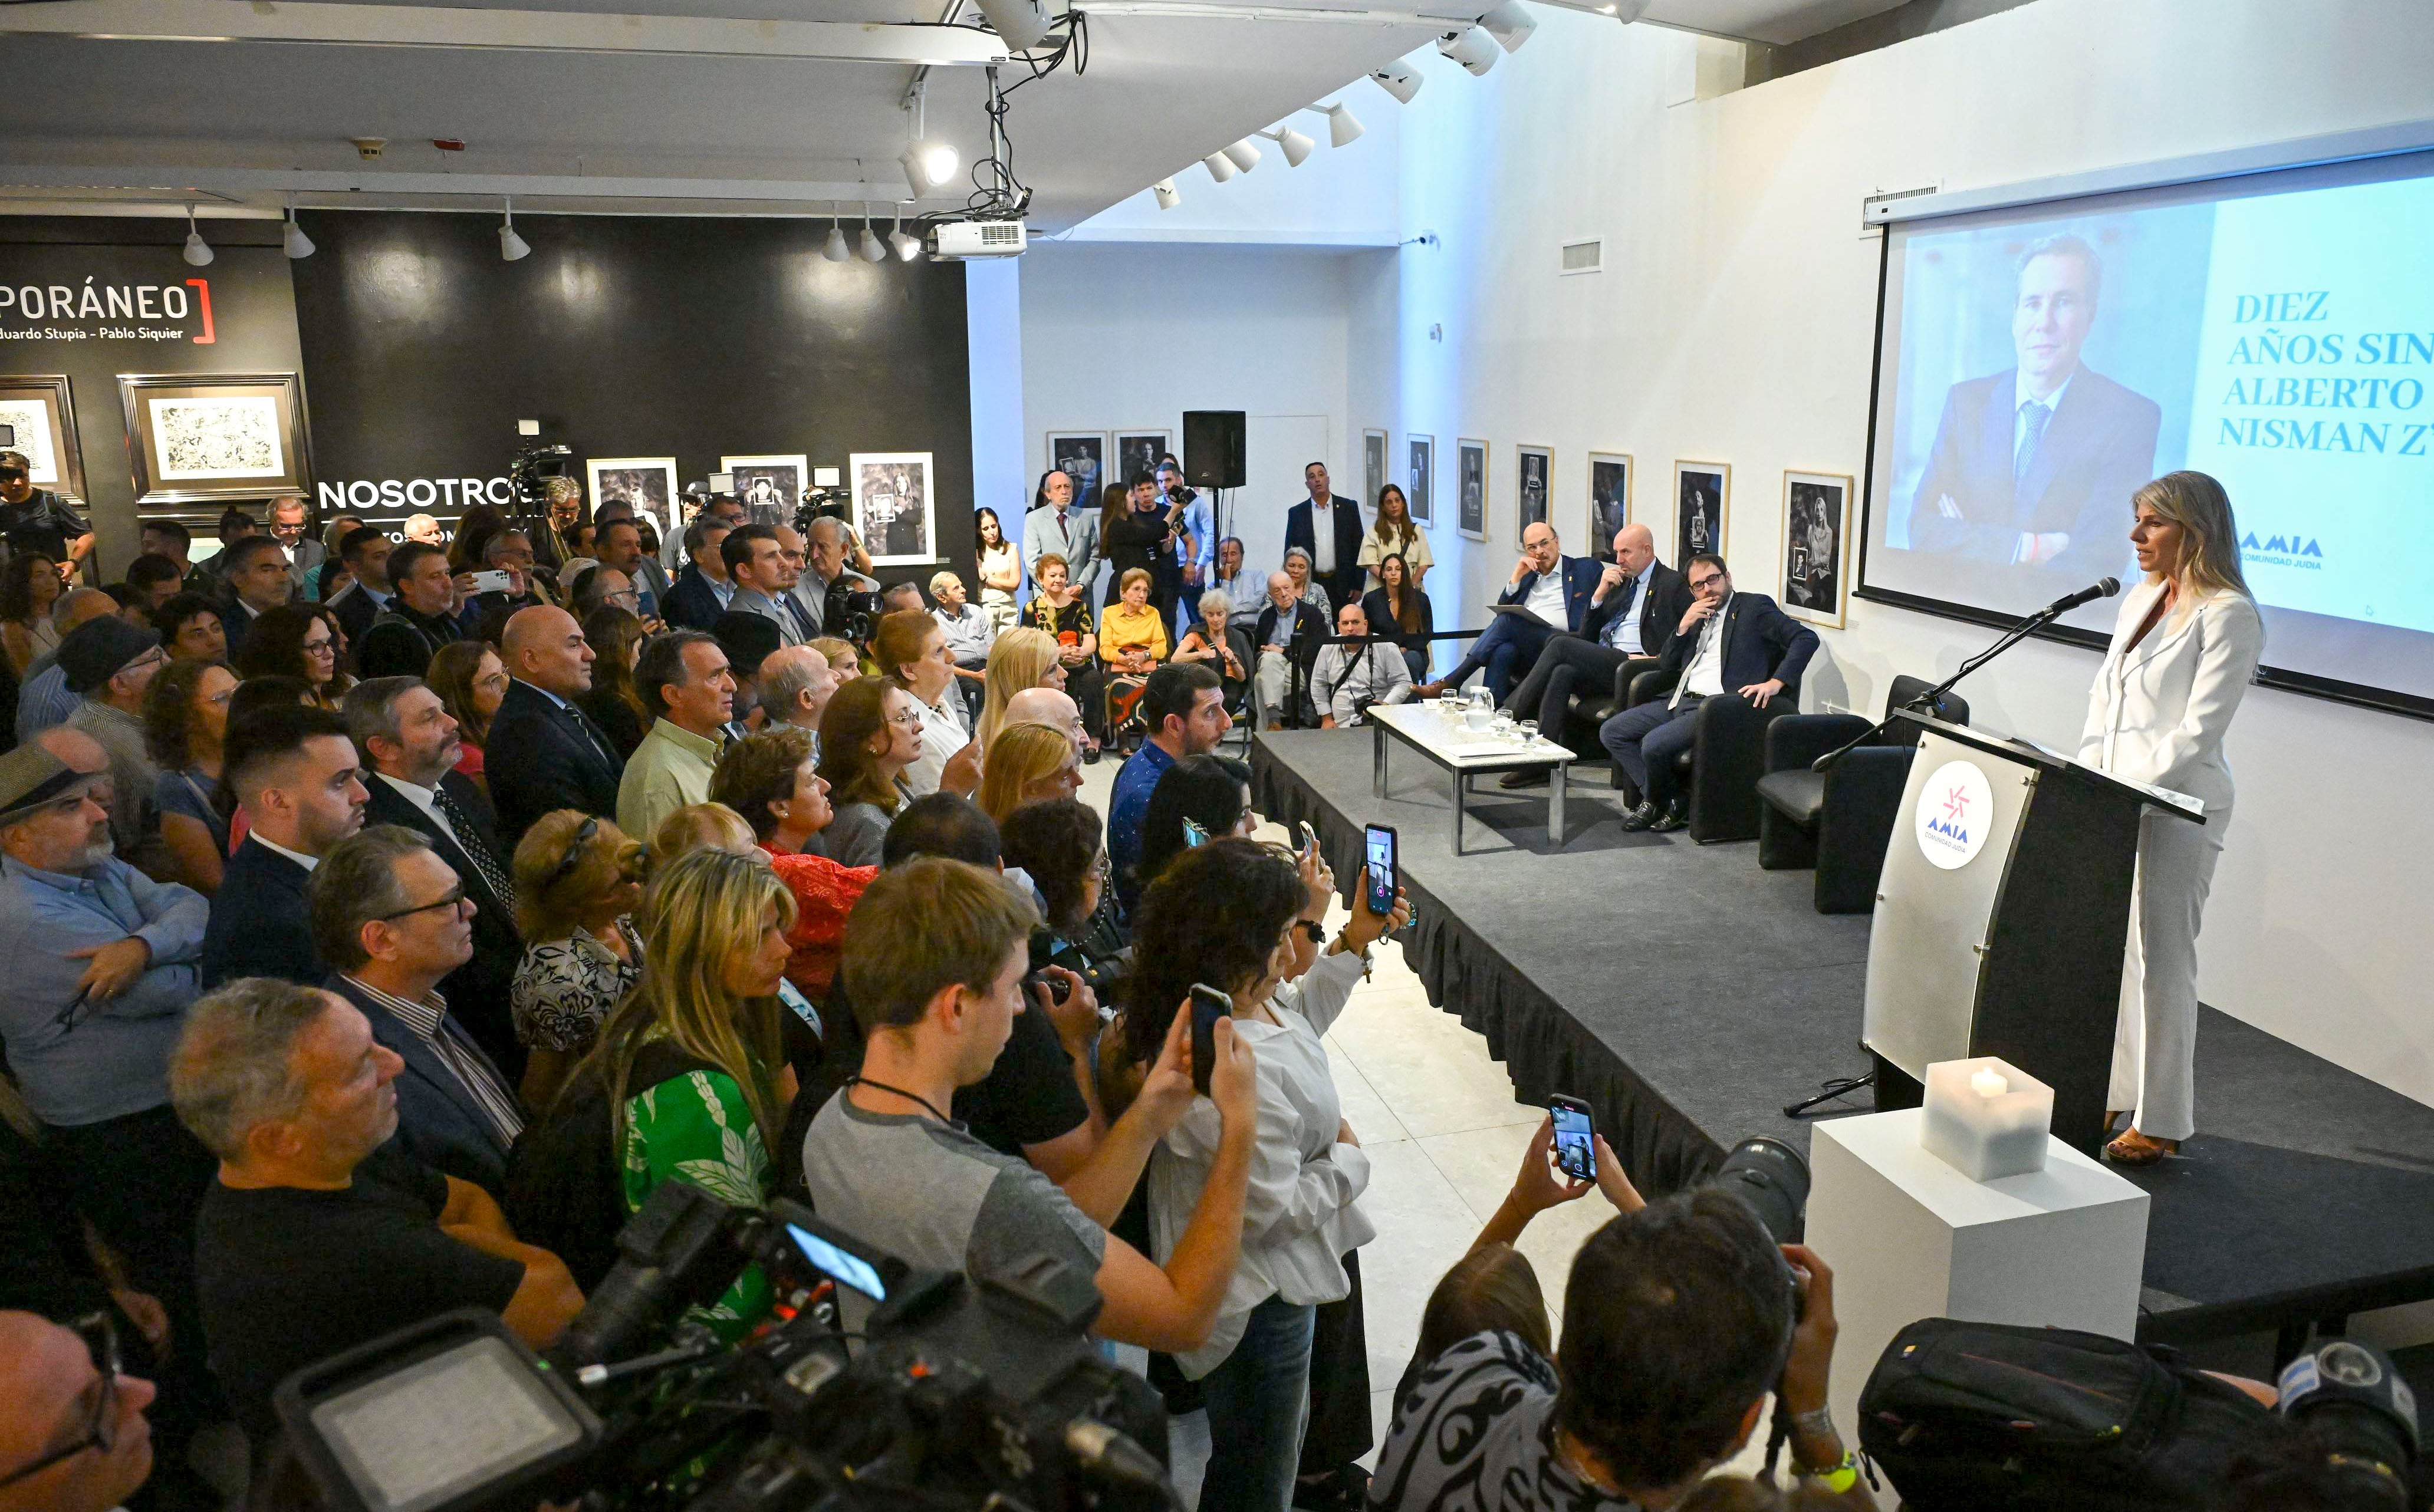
(1736, 323)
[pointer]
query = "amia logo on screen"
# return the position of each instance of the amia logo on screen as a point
(2303, 551)
(1955, 809)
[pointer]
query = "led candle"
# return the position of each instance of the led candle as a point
(1988, 1083)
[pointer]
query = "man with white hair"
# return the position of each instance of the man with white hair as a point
(1289, 630)
(47, 700)
(424, 528)
(970, 635)
(795, 683)
(826, 575)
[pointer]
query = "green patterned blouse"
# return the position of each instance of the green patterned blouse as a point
(698, 1128)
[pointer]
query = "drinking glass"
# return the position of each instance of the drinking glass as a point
(1529, 732)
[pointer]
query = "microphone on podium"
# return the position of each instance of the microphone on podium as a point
(2101, 588)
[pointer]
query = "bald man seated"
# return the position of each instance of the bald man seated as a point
(1548, 593)
(73, 1433)
(1638, 602)
(1052, 707)
(550, 754)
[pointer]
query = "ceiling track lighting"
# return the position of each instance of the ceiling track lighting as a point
(835, 249)
(1472, 48)
(1243, 154)
(1220, 167)
(1625, 11)
(908, 245)
(293, 240)
(1510, 23)
(197, 252)
(1297, 147)
(1342, 128)
(871, 247)
(1168, 196)
(1398, 78)
(511, 246)
(928, 164)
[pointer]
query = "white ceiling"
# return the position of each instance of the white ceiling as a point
(135, 114)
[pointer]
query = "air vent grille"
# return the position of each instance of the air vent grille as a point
(1584, 257)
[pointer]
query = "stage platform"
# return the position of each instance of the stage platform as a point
(1689, 996)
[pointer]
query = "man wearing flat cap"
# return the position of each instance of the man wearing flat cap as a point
(109, 664)
(101, 968)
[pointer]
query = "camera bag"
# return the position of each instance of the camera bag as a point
(1987, 1415)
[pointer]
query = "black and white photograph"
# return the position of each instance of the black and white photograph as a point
(195, 437)
(1419, 482)
(1816, 525)
(893, 511)
(648, 484)
(1609, 500)
(1699, 502)
(1081, 455)
(1137, 451)
(1470, 473)
(1531, 489)
(770, 487)
(1372, 466)
(39, 409)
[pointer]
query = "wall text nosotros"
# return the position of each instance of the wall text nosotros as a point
(439, 495)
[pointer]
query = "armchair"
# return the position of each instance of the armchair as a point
(1727, 753)
(1841, 820)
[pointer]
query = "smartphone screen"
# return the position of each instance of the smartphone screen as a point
(1193, 833)
(1576, 1138)
(1379, 867)
(1209, 1005)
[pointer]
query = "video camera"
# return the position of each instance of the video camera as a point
(981, 1393)
(822, 504)
(527, 470)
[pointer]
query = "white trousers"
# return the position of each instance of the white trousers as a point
(2155, 1037)
(1275, 678)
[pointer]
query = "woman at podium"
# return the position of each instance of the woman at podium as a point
(2183, 652)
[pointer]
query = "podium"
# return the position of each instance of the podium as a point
(2002, 914)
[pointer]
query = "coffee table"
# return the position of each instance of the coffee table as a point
(1464, 752)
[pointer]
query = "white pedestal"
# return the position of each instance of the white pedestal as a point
(1910, 1237)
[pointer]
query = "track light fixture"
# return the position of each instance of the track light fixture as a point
(1398, 78)
(834, 248)
(871, 247)
(1220, 167)
(1342, 128)
(1245, 155)
(908, 245)
(511, 246)
(1019, 22)
(1510, 23)
(1168, 196)
(1297, 147)
(927, 164)
(1625, 11)
(1472, 48)
(197, 252)
(293, 240)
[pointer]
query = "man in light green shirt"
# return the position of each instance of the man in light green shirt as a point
(684, 679)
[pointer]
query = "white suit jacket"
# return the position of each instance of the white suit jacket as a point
(2158, 714)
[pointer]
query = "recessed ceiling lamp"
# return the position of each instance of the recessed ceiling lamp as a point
(197, 252)
(1472, 48)
(1342, 128)
(1297, 146)
(1168, 196)
(1510, 23)
(1398, 78)
(293, 240)
(511, 246)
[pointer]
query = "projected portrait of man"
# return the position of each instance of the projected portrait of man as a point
(2035, 466)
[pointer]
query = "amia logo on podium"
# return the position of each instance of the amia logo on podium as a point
(1955, 809)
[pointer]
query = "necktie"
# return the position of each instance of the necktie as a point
(591, 733)
(1621, 620)
(469, 840)
(2035, 417)
(795, 611)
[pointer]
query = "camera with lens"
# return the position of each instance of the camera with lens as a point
(2353, 1409)
(822, 504)
(529, 468)
(873, 1384)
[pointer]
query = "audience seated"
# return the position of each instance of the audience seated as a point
(296, 639)
(1347, 679)
(420, 618)
(1289, 633)
(700, 594)
(827, 578)
(795, 685)
(747, 639)
(408, 745)
(1679, 1319)
(934, 959)
(153, 581)
(772, 780)
(109, 664)
(614, 700)
(234, 525)
(297, 774)
(1306, 585)
(1397, 611)
(1726, 643)
(1207, 790)
(30, 587)
(1638, 604)
(578, 880)
(685, 684)
(703, 826)
(189, 625)
(365, 553)
(471, 683)
(621, 550)
(1224, 645)
(1183, 708)
(43, 697)
(72, 1432)
(394, 922)
(1555, 590)
(764, 582)
(255, 694)
(1058, 844)
(254, 579)
(552, 756)
(1055, 707)
(970, 635)
(912, 654)
(1062, 610)
(321, 1231)
(1029, 764)
(1132, 642)
(1244, 587)
(185, 732)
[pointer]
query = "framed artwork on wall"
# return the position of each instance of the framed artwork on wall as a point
(1470, 481)
(1081, 455)
(648, 484)
(1816, 542)
(1609, 500)
(770, 487)
(1700, 498)
(206, 437)
(39, 407)
(1420, 478)
(893, 509)
(1531, 487)
(1137, 451)
(1372, 466)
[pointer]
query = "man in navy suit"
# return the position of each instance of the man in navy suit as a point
(549, 754)
(1728, 645)
(2035, 466)
(393, 920)
(1556, 590)
(1334, 553)
(409, 746)
(299, 777)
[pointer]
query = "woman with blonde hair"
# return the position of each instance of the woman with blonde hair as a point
(577, 880)
(870, 732)
(1030, 763)
(1023, 658)
(710, 827)
(2184, 651)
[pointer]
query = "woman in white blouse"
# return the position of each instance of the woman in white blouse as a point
(1243, 916)
(2184, 651)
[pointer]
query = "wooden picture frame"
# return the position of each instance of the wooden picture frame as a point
(1816, 547)
(42, 406)
(1611, 475)
(1700, 526)
(213, 437)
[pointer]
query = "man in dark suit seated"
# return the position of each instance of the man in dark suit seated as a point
(1728, 645)
(1288, 632)
(700, 592)
(393, 920)
(365, 551)
(420, 618)
(254, 573)
(409, 746)
(2035, 466)
(1632, 614)
(1555, 588)
(551, 755)
(299, 777)
(1335, 551)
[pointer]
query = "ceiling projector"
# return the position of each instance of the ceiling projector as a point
(961, 239)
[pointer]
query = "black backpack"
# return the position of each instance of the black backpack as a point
(1986, 1416)
(566, 1192)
